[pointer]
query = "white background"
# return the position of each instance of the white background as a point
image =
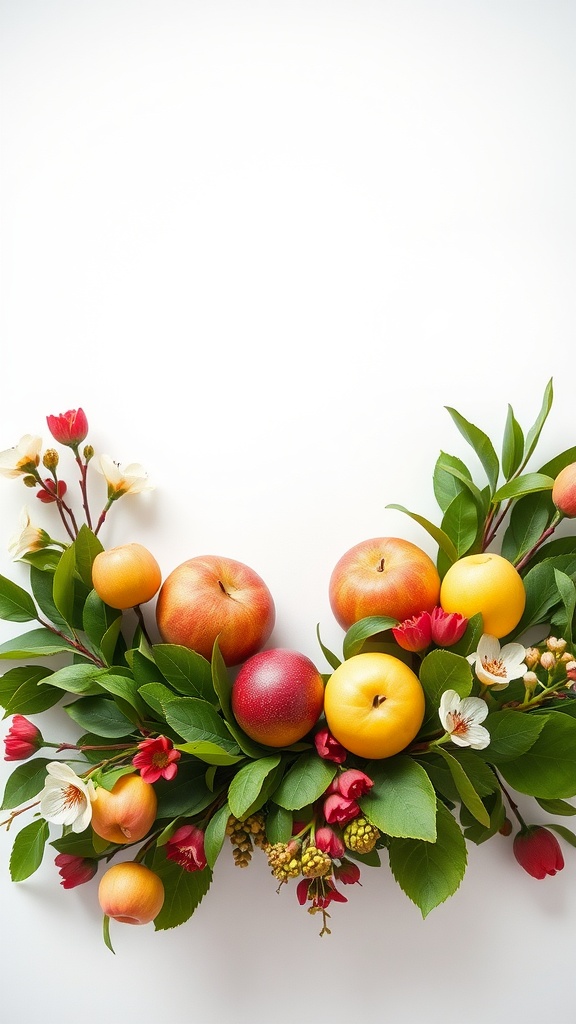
(263, 244)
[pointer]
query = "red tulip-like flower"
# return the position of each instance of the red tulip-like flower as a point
(49, 493)
(186, 848)
(347, 872)
(339, 810)
(23, 740)
(538, 851)
(326, 840)
(447, 627)
(328, 748)
(69, 428)
(353, 783)
(156, 759)
(414, 634)
(75, 870)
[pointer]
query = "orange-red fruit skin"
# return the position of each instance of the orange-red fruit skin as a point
(126, 576)
(131, 893)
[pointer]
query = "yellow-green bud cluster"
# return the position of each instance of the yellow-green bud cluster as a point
(315, 863)
(51, 458)
(284, 860)
(243, 835)
(360, 835)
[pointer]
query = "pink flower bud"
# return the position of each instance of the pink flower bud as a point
(547, 660)
(347, 872)
(339, 810)
(329, 748)
(538, 851)
(186, 848)
(327, 841)
(75, 870)
(564, 491)
(353, 783)
(23, 739)
(571, 670)
(447, 627)
(69, 428)
(414, 634)
(48, 492)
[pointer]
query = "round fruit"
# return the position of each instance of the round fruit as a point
(131, 893)
(486, 583)
(277, 697)
(374, 705)
(126, 813)
(564, 491)
(210, 597)
(126, 576)
(383, 576)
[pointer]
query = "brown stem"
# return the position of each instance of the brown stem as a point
(547, 533)
(72, 643)
(83, 470)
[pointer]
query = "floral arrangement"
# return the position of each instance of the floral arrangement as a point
(455, 692)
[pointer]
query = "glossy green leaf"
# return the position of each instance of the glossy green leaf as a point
(402, 801)
(442, 670)
(362, 630)
(481, 444)
(567, 592)
(63, 590)
(24, 783)
(331, 658)
(533, 435)
(247, 784)
(446, 484)
(184, 891)
(37, 643)
(21, 694)
(565, 833)
(196, 721)
(106, 934)
(559, 462)
(512, 734)
(185, 795)
(28, 850)
(41, 584)
(466, 791)
(548, 769)
(279, 823)
(188, 672)
(529, 483)
(529, 517)
(80, 679)
(305, 781)
(439, 536)
(100, 715)
(460, 522)
(512, 445)
(430, 872)
(16, 605)
(449, 465)
(86, 547)
(215, 834)
(221, 682)
(560, 807)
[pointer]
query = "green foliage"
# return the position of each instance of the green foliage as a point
(430, 872)
(28, 850)
(402, 801)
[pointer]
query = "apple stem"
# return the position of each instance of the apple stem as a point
(222, 587)
(380, 568)
(378, 700)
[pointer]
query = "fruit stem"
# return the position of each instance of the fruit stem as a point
(380, 568)
(223, 588)
(378, 700)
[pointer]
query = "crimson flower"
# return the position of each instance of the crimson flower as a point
(538, 851)
(338, 810)
(23, 739)
(75, 870)
(49, 492)
(414, 634)
(353, 783)
(156, 759)
(347, 872)
(69, 428)
(447, 627)
(326, 840)
(328, 748)
(186, 848)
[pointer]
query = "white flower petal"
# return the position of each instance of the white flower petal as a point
(474, 709)
(488, 647)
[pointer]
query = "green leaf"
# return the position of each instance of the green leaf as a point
(247, 784)
(279, 824)
(37, 643)
(466, 790)
(565, 833)
(20, 693)
(477, 833)
(306, 780)
(567, 592)
(521, 485)
(42, 587)
(512, 734)
(63, 592)
(541, 596)
(123, 687)
(97, 618)
(80, 679)
(28, 850)
(106, 933)
(533, 434)
(110, 640)
(107, 780)
(529, 517)
(221, 683)
(25, 782)
(331, 658)
(481, 444)
(79, 844)
(460, 522)
(442, 670)
(468, 644)
(548, 769)
(402, 801)
(86, 547)
(184, 890)
(156, 696)
(554, 549)
(16, 605)
(215, 834)
(188, 672)
(446, 485)
(45, 559)
(362, 630)
(185, 795)
(448, 465)
(512, 445)
(559, 807)
(559, 462)
(100, 715)
(430, 872)
(196, 721)
(210, 752)
(439, 536)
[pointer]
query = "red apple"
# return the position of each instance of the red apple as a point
(277, 697)
(210, 596)
(383, 576)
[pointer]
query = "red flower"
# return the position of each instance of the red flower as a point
(186, 848)
(321, 891)
(156, 759)
(329, 748)
(69, 428)
(347, 872)
(538, 851)
(326, 840)
(22, 740)
(48, 492)
(414, 634)
(75, 870)
(353, 783)
(338, 810)
(447, 627)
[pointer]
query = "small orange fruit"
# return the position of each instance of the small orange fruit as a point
(486, 583)
(131, 893)
(126, 576)
(126, 813)
(374, 705)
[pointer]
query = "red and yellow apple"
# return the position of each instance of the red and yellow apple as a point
(383, 576)
(277, 697)
(209, 597)
(131, 893)
(126, 813)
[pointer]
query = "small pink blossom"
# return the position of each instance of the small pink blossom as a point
(75, 870)
(50, 492)
(326, 840)
(328, 748)
(186, 848)
(414, 634)
(353, 783)
(69, 428)
(447, 627)
(339, 810)
(22, 740)
(156, 759)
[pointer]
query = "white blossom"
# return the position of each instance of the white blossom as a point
(130, 480)
(461, 717)
(66, 799)
(23, 458)
(496, 666)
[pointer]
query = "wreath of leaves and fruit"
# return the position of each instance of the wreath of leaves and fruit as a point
(455, 692)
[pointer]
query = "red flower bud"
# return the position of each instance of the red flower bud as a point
(414, 634)
(538, 851)
(75, 870)
(327, 841)
(347, 872)
(48, 492)
(186, 848)
(69, 428)
(353, 783)
(564, 491)
(447, 627)
(23, 739)
(338, 810)
(329, 748)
